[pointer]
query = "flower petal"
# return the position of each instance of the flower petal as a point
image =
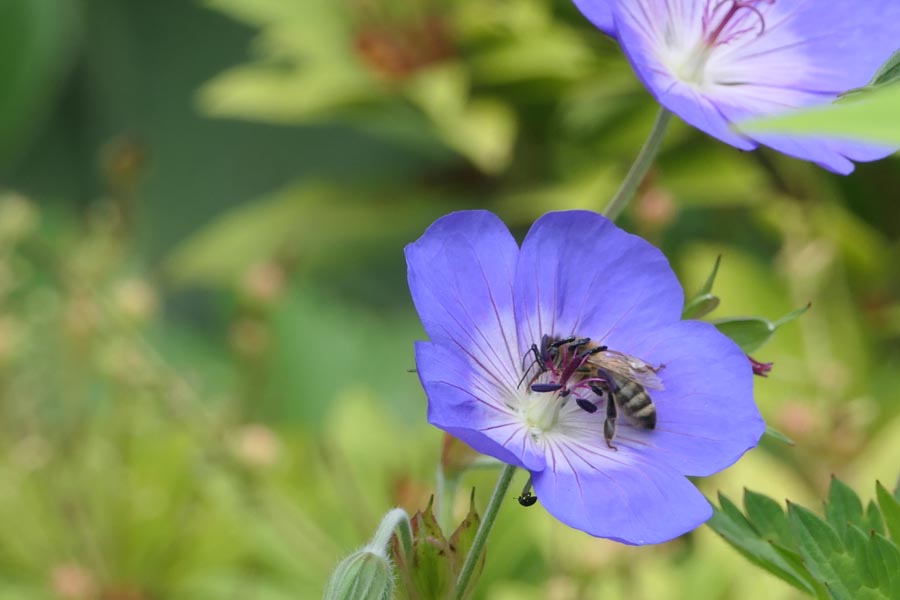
(579, 274)
(638, 30)
(628, 499)
(807, 52)
(465, 402)
(845, 42)
(599, 13)
(460, 276)
(706, 416)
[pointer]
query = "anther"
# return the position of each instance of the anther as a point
(586, 405)
(546, 387)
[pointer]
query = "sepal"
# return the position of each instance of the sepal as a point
(433, 566)
(364, 575)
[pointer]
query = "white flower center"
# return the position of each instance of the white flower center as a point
(540, 411)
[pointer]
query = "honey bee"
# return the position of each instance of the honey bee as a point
(628, 379)
(579, 365)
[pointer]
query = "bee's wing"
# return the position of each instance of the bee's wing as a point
(629, 367)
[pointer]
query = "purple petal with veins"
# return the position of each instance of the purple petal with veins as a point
(716, 63)
(539, 357)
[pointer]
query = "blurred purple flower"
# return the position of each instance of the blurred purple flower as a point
(719, 62)
(484, 302)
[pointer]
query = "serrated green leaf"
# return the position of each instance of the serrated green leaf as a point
(752, 332)
(876, 560)
(873, 520)
(824, 554)
(890, 510)
(730, 523)
(885, 557)
(856, 543)
(768, 518)
(844, 506)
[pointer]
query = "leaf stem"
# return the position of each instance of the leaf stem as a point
(640, 167)
(484, 529)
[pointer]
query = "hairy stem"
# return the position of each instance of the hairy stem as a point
(640, 167)
(487, 523)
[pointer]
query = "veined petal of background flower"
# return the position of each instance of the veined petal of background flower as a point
(716, 63)
(511, 368)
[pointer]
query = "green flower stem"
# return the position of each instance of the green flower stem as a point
(640, 167)
(446, 491)
(487, 523)
(395, 521)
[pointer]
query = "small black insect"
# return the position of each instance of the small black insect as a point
(527, 499)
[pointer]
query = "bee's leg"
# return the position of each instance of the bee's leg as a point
(576, 344)
(535, 361)
(609, 426)
(564, 341)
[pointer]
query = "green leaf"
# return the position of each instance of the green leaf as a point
(885, 558)
(877, 561)
(824, 554)
(777, 435)
(428, 575)
(735, 529)
(704, 302)
(480, 129)
(873, 117)
(844, 507)
(890, 509)
(315, 220)
(700, 306)
(873, 520)
(37, 45)
(768, 518)
(708, 285)
(888, 73)
(461, 542)
(750, 333)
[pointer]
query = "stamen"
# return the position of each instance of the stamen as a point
(731, 18)
(546, 387)
(586, 405)
(560, 369)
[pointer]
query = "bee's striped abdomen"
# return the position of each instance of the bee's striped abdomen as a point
(635, 402)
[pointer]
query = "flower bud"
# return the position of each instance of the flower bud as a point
(364, 575)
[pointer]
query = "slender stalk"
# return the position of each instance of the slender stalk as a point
(395, 521)
(487, 523)
(640, 167)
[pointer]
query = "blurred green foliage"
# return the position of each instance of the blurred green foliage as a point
(204, 326)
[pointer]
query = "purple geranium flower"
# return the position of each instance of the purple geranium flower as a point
(527, 346)
(719, 62)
